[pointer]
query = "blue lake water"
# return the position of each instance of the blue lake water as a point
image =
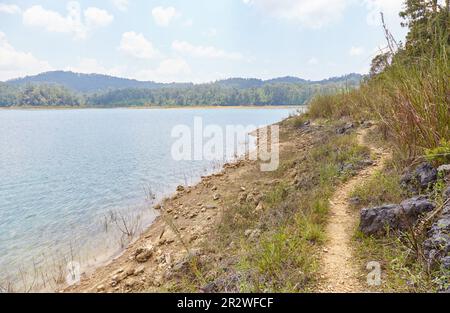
(62, 173)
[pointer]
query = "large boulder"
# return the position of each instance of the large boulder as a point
(376, 221)
(421, 178)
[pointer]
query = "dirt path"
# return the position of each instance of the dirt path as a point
(340, 272)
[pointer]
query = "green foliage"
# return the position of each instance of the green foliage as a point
(401, 272)
(38, 95)
(230, 92)
(440, 154)
(382, 188)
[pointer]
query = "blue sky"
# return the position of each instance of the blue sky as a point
(195, 40)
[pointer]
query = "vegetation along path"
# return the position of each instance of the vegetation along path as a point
(339, 270)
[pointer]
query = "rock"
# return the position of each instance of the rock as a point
(214, 188)
(210, 207)
(242, 188)
(259, 208)
(417, 206)
(366, 124)
(143, 254)
(242, 197)
(101, 288)
(180, 188)
(216, 197)
(366, 162)
(445, 169)
(446, 193)
(436, 248)
(344, 129)
(139, 270)
(445, 263)
(375, 221)
(421, 178)
(130, 283)
(252, 233)
(157, 207)
(355, 200)
(248, 232)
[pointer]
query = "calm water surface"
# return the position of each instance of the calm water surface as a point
(64, 174)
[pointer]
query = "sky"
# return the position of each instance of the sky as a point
(196, 40)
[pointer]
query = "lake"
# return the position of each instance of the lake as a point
(66, 175)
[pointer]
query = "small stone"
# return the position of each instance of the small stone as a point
(139, 270)
(214, 188)
(157, 207)
(116, 278)
(259, 208)
(355, 200)
(216, 197)
(444, 169)
(248, 232)
(242, 188)
(180, 188)
(101, 288)
(143, 254)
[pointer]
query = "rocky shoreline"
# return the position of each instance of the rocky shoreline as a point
(186, 218)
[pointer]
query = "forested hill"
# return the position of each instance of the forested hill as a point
(72, 89)
(85, 83)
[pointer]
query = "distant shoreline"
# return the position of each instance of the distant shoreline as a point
(32, 108)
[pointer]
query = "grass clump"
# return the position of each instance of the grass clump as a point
(400, 270)
(382, 188)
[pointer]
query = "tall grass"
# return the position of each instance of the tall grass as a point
(411, 98)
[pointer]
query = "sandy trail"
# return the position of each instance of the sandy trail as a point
(339, 270)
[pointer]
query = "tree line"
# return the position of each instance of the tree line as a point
(212, 94)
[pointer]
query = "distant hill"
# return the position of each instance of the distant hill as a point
(86, 83)
(98, 83)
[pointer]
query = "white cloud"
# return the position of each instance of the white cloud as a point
(204, 51)
(14, 63)
(52, 21)
(9, 8)
(163, 16)
(355, 51)
(312, 14)
(136, 45)
(95, 17)
(122, 5)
